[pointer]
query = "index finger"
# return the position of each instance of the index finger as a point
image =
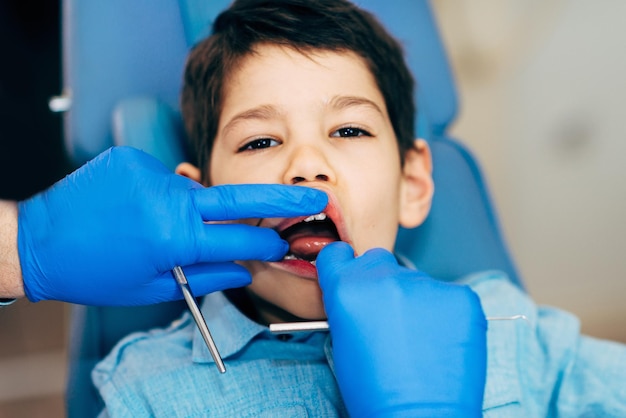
(241, 201)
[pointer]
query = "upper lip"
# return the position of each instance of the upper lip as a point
(332, 211)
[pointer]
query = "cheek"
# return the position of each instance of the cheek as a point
(230, 171)
(374, 211)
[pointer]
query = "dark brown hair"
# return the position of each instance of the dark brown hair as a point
(334, 25)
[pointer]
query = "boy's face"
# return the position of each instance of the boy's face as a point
(316, 120)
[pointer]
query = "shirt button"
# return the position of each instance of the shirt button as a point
(285, 337)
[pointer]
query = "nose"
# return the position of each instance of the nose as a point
(308, 164)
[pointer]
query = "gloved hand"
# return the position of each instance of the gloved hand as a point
(403, 344)
(111, 232)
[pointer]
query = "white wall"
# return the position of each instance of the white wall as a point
(542, 86)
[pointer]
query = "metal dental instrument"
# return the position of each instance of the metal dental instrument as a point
(509, 318)
(299, 327)
(181, 279)
(289, 327)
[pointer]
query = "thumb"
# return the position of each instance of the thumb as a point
(331, 260)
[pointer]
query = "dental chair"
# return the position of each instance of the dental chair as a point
(123, 63)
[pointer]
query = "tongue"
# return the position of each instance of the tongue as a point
(308, 246)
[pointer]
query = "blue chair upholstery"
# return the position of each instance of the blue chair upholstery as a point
(123, 63)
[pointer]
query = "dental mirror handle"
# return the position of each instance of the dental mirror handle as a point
(308, 326)
(181, 279)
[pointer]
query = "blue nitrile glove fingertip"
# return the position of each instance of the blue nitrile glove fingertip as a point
(335, 250)
(211, 277)
(316, 199)
(282, 247)
(331, 258)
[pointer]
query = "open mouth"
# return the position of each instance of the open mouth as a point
(307, 237)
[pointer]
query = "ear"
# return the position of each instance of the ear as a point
(190, 171)
(416, 187)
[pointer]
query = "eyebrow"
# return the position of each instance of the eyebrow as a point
(343, 102)
(269, 112)
(263, 112)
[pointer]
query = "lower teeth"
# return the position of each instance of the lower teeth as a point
(293, 257)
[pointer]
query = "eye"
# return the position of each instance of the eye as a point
(260, 143)
(349, 132)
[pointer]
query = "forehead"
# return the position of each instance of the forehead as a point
(271, 72)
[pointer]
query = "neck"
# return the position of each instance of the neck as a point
(257, 309)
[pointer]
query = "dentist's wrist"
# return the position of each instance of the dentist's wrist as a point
(11, 284)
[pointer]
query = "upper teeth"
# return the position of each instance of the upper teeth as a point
(318, 217)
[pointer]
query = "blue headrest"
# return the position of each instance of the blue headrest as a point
(107, 60)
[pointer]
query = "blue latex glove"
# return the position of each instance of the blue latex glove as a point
(404, 345)
(111, 232)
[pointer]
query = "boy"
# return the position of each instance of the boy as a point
(317, 94)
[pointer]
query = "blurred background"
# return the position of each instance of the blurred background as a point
(541, 88)
(542, 93)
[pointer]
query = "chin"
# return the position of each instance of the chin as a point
(308, 306)
(310, 314)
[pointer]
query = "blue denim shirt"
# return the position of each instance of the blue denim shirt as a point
(541, 367)
(170, 373)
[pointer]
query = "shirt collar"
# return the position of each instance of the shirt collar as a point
(230, 328)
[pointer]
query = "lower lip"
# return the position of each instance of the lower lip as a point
(300, 268)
